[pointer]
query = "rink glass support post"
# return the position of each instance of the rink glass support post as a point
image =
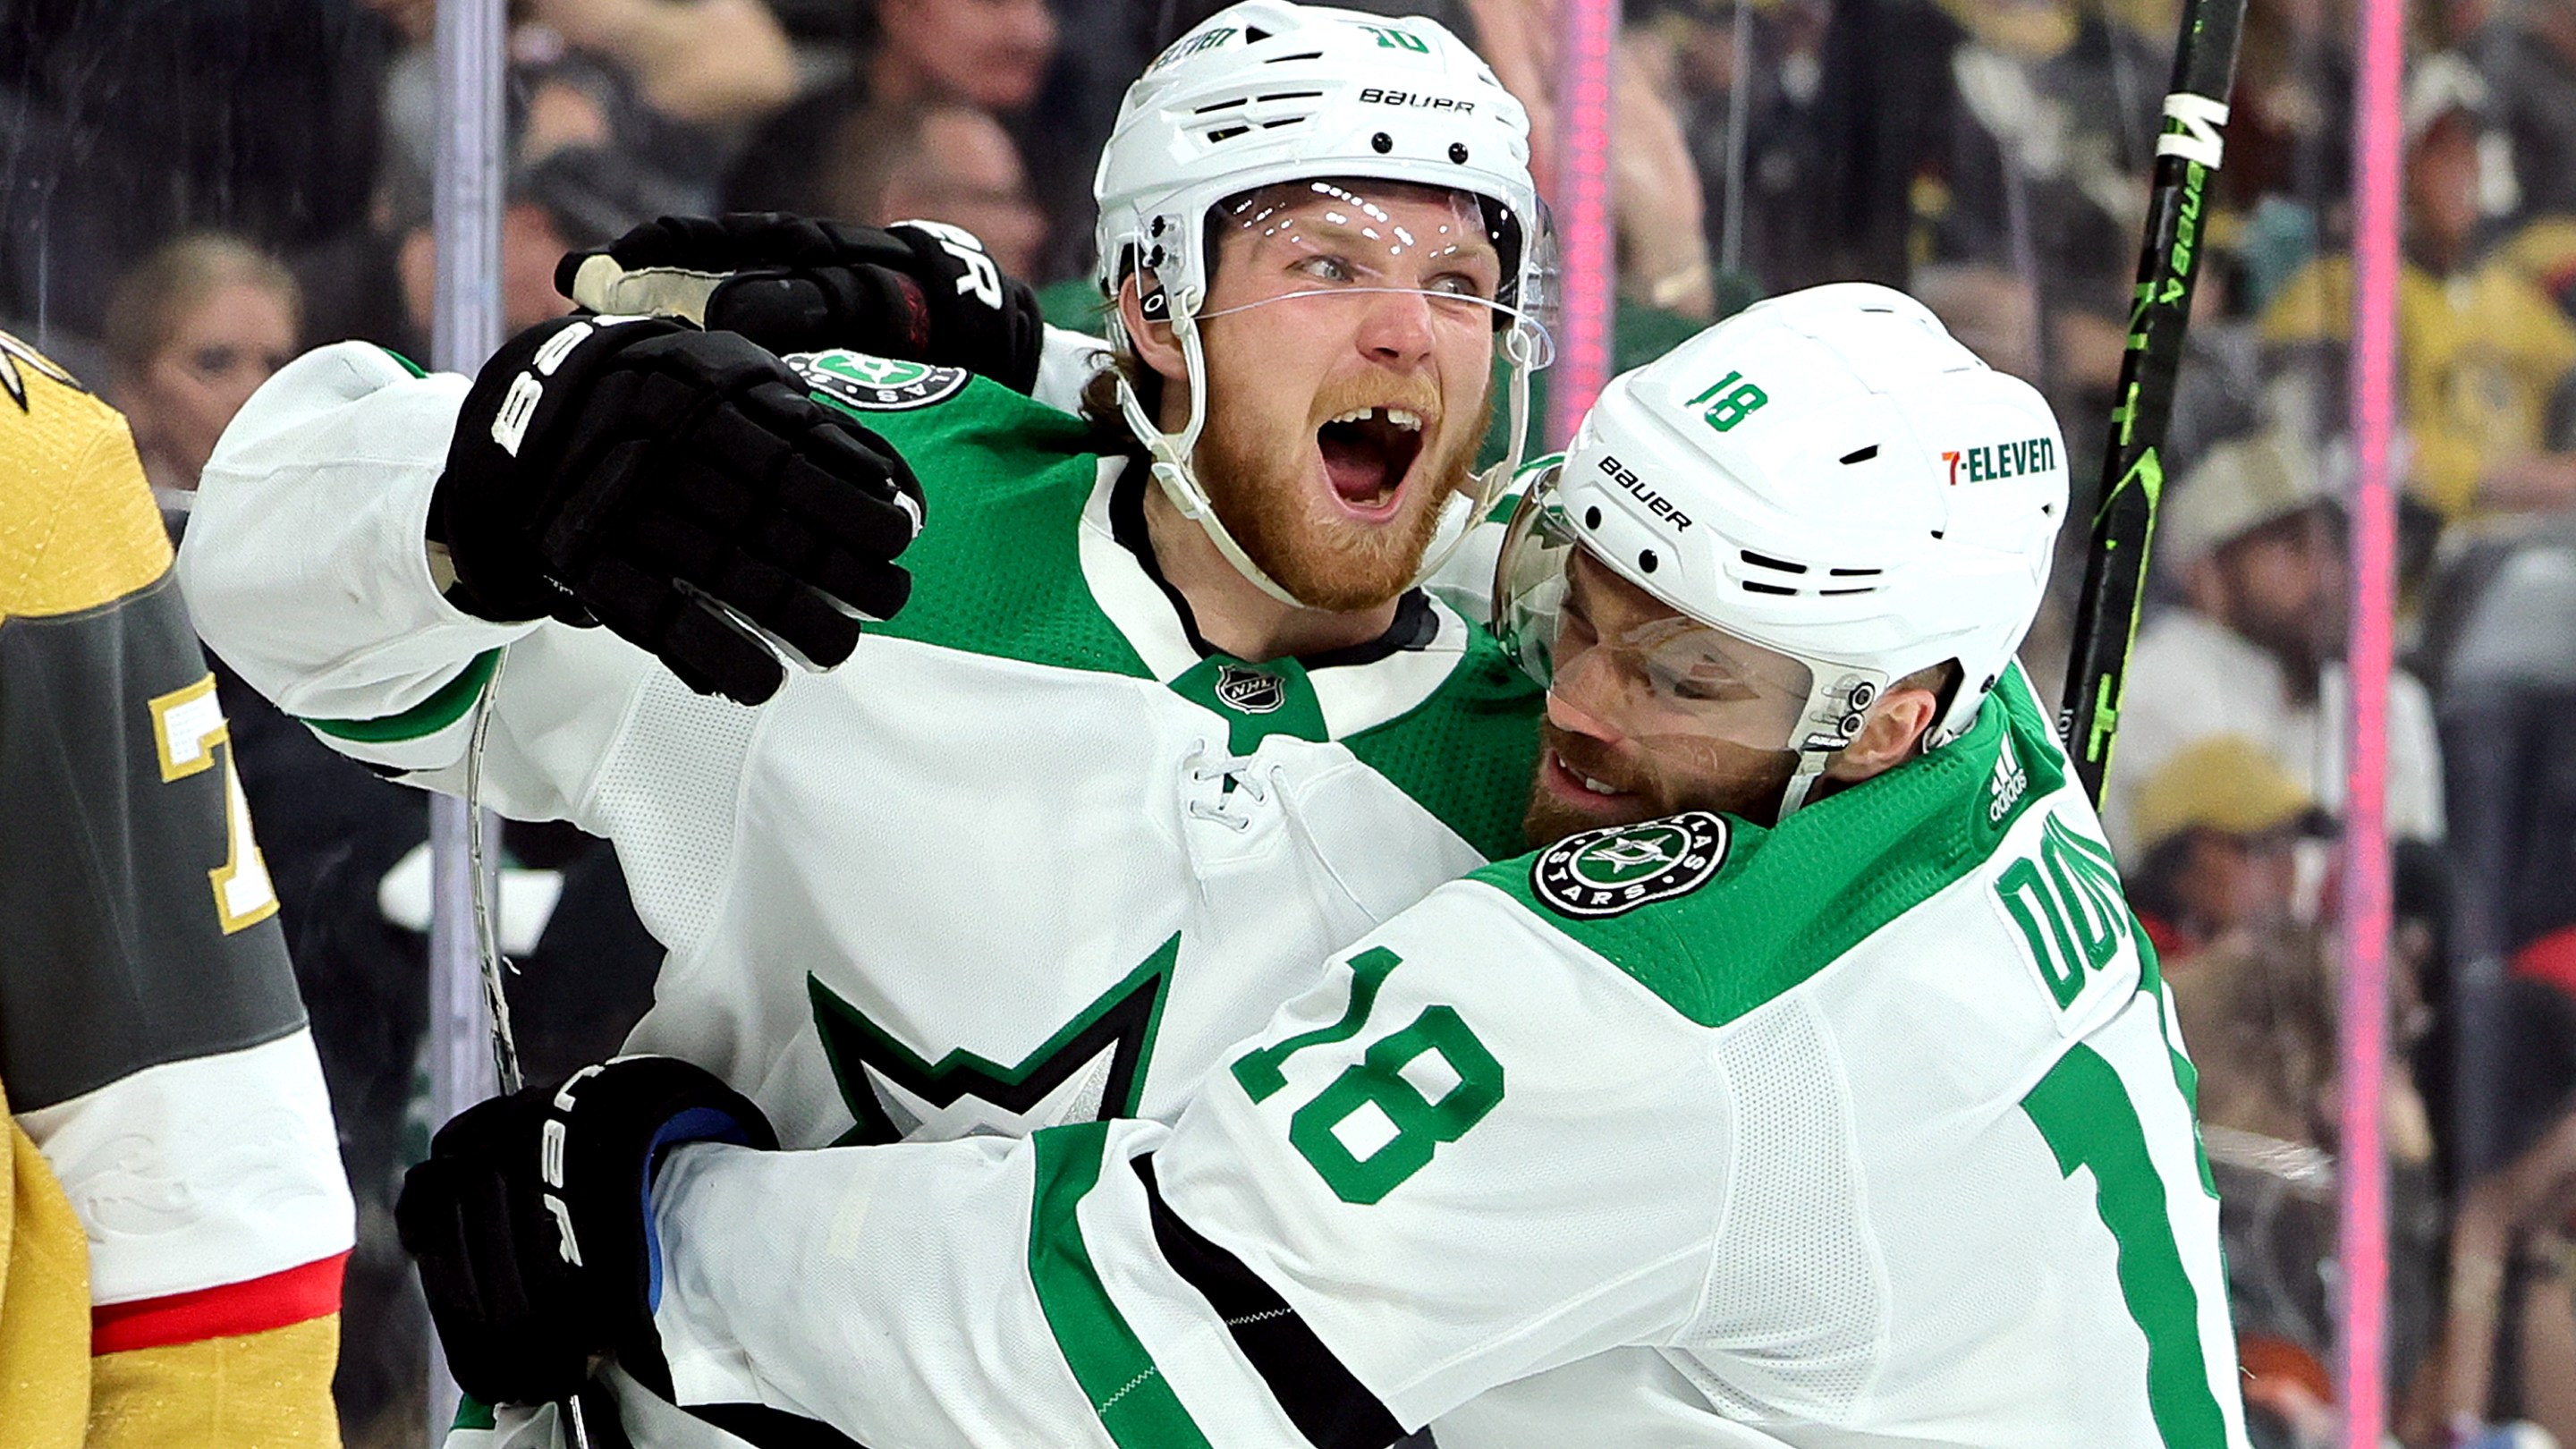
(1585, 236)
(466, 327)
(2362, 1249)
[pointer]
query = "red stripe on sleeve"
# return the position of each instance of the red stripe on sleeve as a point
(223, 1311)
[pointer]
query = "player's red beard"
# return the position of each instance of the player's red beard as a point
(1258, 472)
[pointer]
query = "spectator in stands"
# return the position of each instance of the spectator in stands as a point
(2510, 1296)
(2533, 70)
(1771, 174)
(1655, 193)
(2219, 826)
(572, 198)
(2483, 354)
(988, 54)
(192, 331)
(2212, 843)
(131, 123)
(940, 161)
(2253, 537)
(672, 86)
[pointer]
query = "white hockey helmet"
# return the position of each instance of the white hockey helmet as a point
(1267, 92)
(1828, 475)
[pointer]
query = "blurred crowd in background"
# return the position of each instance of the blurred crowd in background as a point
(192, 191)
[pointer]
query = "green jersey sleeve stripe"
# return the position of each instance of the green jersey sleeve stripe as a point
(2085, 1116)
(444, 708)
(1125, 1386)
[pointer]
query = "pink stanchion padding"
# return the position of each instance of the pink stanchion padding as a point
(2362, 1247)
(1584, 233)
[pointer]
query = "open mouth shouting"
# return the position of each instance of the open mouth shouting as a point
(1368, 453)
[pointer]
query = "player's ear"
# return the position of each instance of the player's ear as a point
(1891, 733)
(1147, 332)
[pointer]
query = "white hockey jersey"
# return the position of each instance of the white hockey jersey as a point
(1030, 856)
(1869, 1130)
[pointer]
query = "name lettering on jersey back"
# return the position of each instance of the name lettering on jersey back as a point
(2066, 906)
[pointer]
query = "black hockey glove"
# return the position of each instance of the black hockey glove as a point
(918, 290)
(532, 1222)
(673, 485)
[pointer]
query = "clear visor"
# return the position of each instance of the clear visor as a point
(1656, 676)
(1349, 242)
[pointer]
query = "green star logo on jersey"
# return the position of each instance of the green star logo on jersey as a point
(1612, 871)
(892, 1090)
(877, 384)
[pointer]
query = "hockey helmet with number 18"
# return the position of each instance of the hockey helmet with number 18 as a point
(1829, 476)
(1265, 93)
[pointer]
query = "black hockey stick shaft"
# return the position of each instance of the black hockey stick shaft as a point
(2115, 564)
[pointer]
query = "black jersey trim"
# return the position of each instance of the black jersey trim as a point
(1323, 1399)
(1413, 628)
(767, 1428)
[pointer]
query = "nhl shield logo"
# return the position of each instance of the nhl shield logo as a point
(877, 384)
(1609, 872)
(1250, 690)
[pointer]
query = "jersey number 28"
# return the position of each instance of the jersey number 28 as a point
(1380, 1120)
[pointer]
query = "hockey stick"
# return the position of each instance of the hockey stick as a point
(2115, 563)
(495, 967)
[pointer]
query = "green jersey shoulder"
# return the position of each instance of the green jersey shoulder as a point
(1004, 478)
(1718, 916)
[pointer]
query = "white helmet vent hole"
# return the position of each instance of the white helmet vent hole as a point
(1592, 518)
(1765, 561)
(1860, 455)
(1755, 586)
(1254, 35)
(1301, 55)
(1646, 560)
(1853, 573)
(1228, 134)
(1381, 143)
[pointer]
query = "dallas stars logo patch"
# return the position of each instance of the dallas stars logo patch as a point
(1602, 873)
(877, 384)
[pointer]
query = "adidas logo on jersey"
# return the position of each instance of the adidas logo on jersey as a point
(2008, 785)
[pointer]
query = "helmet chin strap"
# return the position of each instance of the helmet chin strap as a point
(1836, 703)
(1173, 457)
(1811, 768)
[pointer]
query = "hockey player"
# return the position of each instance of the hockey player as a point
(173, 1219)
(1164, 719)
(1813, 1087)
